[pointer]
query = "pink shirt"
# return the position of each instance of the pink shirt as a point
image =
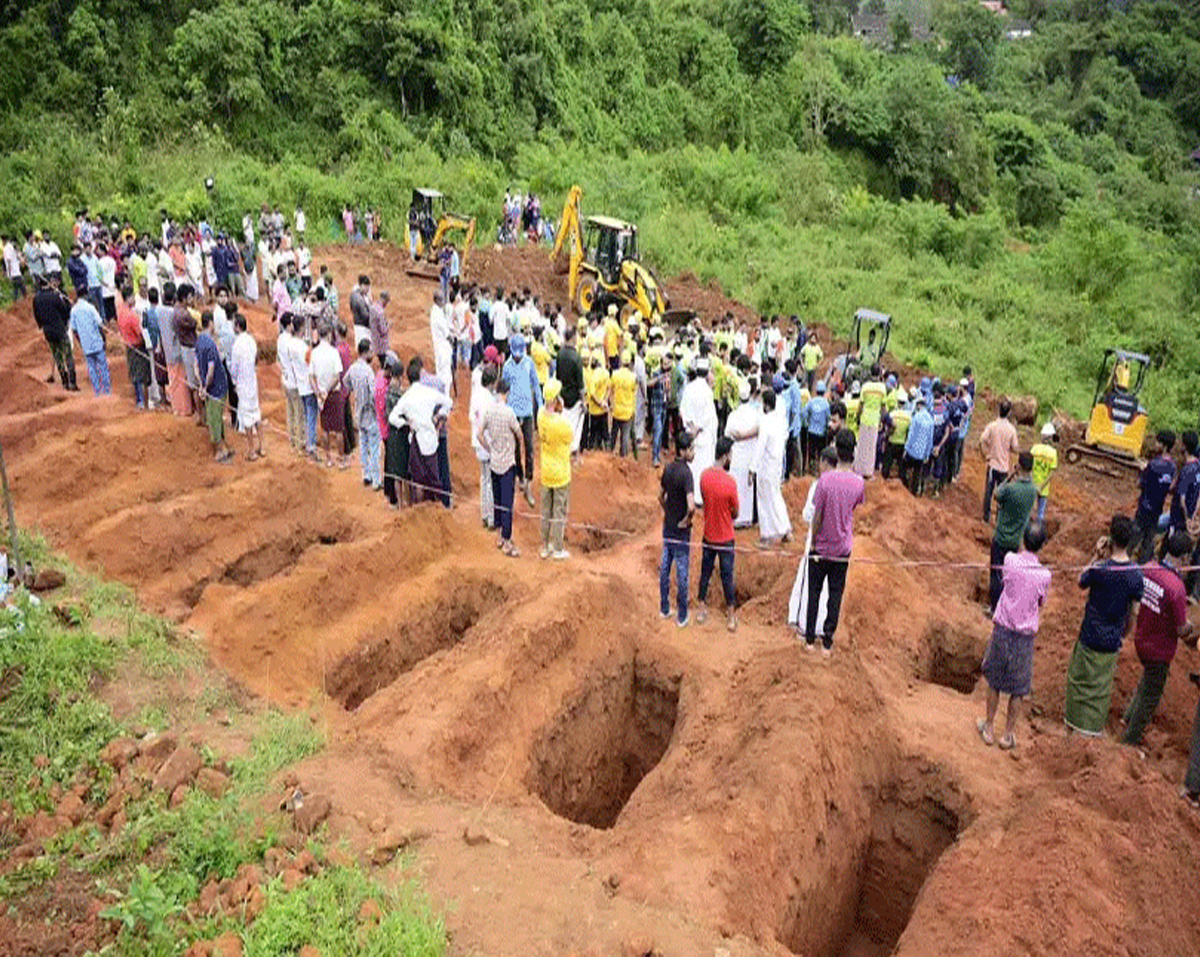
(1026, 583)
(838, 493)
(999, 439)
(381, 410)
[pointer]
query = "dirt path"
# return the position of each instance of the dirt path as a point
(626, 786)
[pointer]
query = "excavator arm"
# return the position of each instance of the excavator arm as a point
(446, 223)
(570, 231)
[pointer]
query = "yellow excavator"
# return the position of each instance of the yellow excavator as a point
(602, 262)
(1117, 426)
(433, 221)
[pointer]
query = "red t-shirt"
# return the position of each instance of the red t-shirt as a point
(718, 490)
(130, 326)
(1163, 611)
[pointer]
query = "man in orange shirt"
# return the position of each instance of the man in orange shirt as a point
(999, 439)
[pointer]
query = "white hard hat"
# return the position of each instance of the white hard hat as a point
(1048, 430)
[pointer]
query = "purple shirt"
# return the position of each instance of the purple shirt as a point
(1026, 583)
(838, 493)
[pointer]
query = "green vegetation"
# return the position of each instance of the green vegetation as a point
(1036, 209)
(54, 725)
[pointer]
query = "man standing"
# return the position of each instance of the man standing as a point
(360, 308)
(439, 333)
(1155, 483)
(242, 359)
(766, 472)
(213, 388)
(742, 429)
(568, 370)
(1115, 586)
(422, 409)
(998, 440)
(624, 389)
(816, 423)
(52, 313)
(525, 396)
(811, 356)
(89, 331)
(360, 379)
(1045, 462)
(698, 413)
(12, 269)
(917, 448)
(1161, 623)
(1186, 492)
(1008, 661)
(556, 437)
(870, 414)
(677, 497)
(1014, 503)
(720, 493)
(380, 328)
(837, 495)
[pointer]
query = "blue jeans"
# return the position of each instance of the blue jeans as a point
(412, 243)
(368, 450)
(677, 554)
(658, 417)
(722, 554)
(1041, 508)
(97, 364)
(503, 487)
(310, 420)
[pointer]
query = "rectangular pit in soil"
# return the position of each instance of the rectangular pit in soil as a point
(457, 605)
(607, 737)
(952, 658)
(863, 902)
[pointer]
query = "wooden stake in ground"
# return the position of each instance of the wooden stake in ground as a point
(12, 523)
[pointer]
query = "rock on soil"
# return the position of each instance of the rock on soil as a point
(180, 768)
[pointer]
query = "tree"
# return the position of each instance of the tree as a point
(766, 33)
(971, 32)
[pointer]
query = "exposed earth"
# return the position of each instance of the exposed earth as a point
(584, 777)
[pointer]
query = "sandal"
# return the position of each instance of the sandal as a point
(984, 733)
(251, 457)
(510, 550)
(732, 624)
(1008, 743)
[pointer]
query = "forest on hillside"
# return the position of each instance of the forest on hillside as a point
(1008, 199)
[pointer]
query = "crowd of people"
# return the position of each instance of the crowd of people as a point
(738, 409)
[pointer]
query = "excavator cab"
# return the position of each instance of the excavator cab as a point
(429, 206)
(869, 335)
(609, 243)
(1117, 426)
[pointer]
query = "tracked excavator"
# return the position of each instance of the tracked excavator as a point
(433, 223)
(601, 258)
(1116, 428)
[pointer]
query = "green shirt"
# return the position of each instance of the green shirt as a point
(1014, 503)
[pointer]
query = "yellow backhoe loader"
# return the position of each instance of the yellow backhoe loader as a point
(602, 261)
(434, 222)
(1116, 428)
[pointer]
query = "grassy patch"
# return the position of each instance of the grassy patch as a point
(53, 725)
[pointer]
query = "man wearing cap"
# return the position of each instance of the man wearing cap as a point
(624, 390)
(966, 404)
(525, 396)
(1045, 462)
(612, 339)
(699, 415)
(556, 437)
(766, 472)
(917, 447)
(677, 497)
(816, 422)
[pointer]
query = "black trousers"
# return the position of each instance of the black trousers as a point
(996, 573)
(525, 454)
(822, 570)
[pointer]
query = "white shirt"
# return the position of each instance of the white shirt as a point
(439, 328)
(417, 408)
(12, 260)
(283, 353)
(326, 367)
(305, 264)
(500, 320)
(772, 443)
(301, 221)
(697, 410)
(241, 368)
(459, 312)
(300, 367)
(223, 332)
(51, 257)
(481, 402)
(108, 276)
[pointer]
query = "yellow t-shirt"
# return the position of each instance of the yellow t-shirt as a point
(853, 405)
(556, 437)
(901, 421)
(612, 337)
(597, 391)
(873, 394)
(541, 361)
(624, 386)
(811, 355)
(1045, 462)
